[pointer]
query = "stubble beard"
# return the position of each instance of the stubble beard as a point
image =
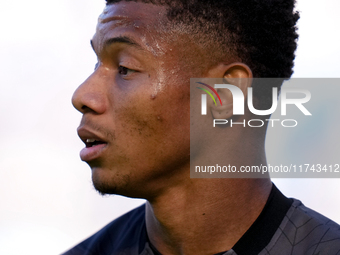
(115, 185)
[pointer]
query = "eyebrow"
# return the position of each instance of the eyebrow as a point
(120, 39)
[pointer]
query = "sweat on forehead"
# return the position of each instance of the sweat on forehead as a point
(130, 23)
(132, 15)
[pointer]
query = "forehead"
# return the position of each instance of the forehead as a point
(148, 28)
(144, 22)
(133, 11)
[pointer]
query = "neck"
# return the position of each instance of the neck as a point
(208, 216)
(188, 220)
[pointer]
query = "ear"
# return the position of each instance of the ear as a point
(237, 74)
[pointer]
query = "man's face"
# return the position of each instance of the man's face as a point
(135, 105)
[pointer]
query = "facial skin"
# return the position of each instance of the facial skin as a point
(137, 101)
(137, 105)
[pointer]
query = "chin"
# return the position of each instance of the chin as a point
(109, 183)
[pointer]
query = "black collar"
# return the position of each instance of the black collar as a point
(261, 231)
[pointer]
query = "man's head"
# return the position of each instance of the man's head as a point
(136, 118)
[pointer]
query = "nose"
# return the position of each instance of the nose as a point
(90, 96)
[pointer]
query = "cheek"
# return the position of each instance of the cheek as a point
(152, 132)
(137, 116)
(138, 122)
(147, 116)
(151, 119)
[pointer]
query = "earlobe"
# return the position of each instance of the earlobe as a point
(224, 111)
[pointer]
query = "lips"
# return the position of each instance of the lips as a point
(94, 144)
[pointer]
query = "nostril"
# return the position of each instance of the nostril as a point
(84, 107)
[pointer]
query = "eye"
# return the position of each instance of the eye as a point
(122, 70)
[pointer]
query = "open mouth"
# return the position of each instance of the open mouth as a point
(93, 142)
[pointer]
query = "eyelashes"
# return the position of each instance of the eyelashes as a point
(124, 71)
